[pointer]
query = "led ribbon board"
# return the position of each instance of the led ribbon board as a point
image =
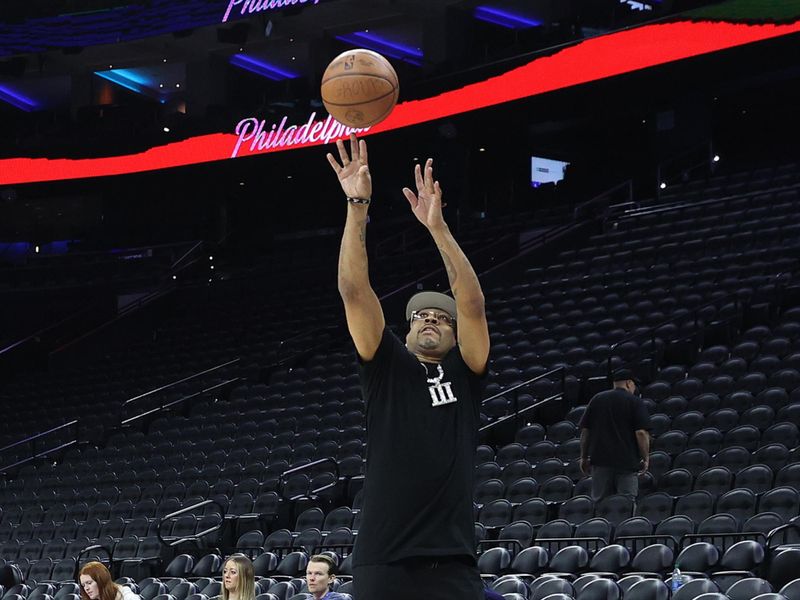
(590, 60)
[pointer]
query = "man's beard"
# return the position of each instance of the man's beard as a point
(428, 343)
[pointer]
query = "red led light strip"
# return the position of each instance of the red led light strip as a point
(590, 60)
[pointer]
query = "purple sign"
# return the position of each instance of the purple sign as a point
(255, 6)
(262, 137)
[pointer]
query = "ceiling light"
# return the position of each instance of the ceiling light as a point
(259, 67)
(372, 41)
(14, 98)
(504, 18)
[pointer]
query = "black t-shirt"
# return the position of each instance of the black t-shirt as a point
(612, 418)
(421, 440)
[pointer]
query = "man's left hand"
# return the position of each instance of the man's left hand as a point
(426, 204)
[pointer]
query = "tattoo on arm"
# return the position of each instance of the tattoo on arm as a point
(450, 268)
(362, 233)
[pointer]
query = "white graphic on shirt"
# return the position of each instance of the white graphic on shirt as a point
(441, 393)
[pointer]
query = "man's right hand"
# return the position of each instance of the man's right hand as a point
(645, 465)
(353, 173)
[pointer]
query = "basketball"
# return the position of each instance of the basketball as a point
(359, 88)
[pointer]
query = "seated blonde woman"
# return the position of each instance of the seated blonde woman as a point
(238, 580)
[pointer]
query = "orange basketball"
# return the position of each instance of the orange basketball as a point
(359, 88)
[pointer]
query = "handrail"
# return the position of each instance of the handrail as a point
(38, 435)
(780, 529)
(689, 537)
(122, 313)
(39, 332)
(597, 200)
(190, 251)
(179, 401)
(515, 544)
(334, 547)
(519, 413)
(174, 383)
(32, 439)
(687, 153)
(319, 461)
(76, 422)
(176, 541)
(670, 206)
(524, 383)
(649, 538)
(87, 549)
(598, 541)
(515, 389)
(315, 463)
(38, 455)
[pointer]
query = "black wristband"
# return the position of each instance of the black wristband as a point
(358, 200)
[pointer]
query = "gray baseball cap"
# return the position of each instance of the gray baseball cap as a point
(431, 300)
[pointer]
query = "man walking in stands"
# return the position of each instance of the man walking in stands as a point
(615, 441)
(416, 538)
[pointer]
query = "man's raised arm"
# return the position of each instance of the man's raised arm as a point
(362, 308)
(472, 328)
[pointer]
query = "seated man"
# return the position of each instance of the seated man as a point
(320, 575)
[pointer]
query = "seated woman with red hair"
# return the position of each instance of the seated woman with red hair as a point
(96, 584)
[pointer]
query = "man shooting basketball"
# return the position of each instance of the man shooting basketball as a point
(422, 407)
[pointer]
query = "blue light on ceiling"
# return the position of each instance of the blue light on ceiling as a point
(14, 98)
(259, 67)
(134, 82)
(383, 46)
(504, 18)
(133, 77)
